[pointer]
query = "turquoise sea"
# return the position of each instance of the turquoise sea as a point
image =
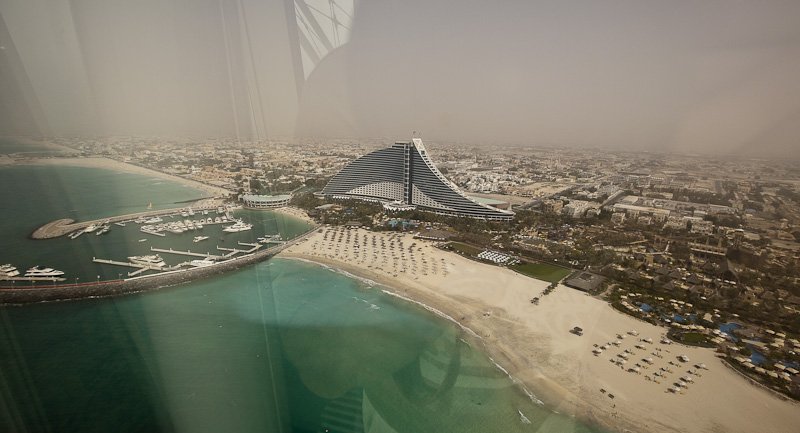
(282, 346)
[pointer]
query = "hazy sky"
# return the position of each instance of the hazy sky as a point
(700, 75)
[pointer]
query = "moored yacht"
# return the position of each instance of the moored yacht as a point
(8, 270)
(91, 228)
(199, 238)
(149, 260)
(239, 226)
(202, 263)
(43, 272)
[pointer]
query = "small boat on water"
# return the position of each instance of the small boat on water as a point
(74, 235)
(103, 230)
(143, 240)
(199, 238)
(121, 224)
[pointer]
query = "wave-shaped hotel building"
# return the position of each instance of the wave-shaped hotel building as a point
(404, 176)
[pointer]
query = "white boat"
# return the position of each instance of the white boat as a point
(43, 272)
(143, 240)
(121, 224)
(103, 230)
(8, 270)
(240, 226)
(199, 238)
(149, 260)
(198, 225)
(154, 220)
(190, 212)
(74, 235)
(201, 263)
(91, 228)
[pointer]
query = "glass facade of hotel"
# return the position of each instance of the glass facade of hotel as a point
(404, 173)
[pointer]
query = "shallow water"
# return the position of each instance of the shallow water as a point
(282, 346)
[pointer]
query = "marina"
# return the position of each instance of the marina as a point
(169, 231)
(64, 226)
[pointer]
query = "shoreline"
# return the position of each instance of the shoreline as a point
(547, 393)
(114, 165)
(533, 346)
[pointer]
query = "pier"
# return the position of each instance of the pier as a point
(53, 279)
(63, 226)
(187, 253)
(178, 274)
(140, 266)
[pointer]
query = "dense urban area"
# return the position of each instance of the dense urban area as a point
(708, 247)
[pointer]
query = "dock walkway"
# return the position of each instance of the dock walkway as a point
(63, 226)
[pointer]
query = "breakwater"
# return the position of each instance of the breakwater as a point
(10, 295)
(61, 227)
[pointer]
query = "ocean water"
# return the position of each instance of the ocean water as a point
(282, 346)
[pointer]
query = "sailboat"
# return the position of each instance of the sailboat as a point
(150, 205)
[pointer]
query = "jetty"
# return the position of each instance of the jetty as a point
(54, 279)
(63, 226)
(187, 253)
(141, 282)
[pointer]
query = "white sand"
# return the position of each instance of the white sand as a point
(532, 342)
(296, 213)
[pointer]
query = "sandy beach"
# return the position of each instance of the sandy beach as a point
(533, 342)
(110, 164)
(296, 213)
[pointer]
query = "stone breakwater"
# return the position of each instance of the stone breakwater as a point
(61, 227)
(63, 292)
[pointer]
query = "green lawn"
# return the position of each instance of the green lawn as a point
(694, 338)
(467, 250)
(542, 271)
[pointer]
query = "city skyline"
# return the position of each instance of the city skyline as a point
(711, 77)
